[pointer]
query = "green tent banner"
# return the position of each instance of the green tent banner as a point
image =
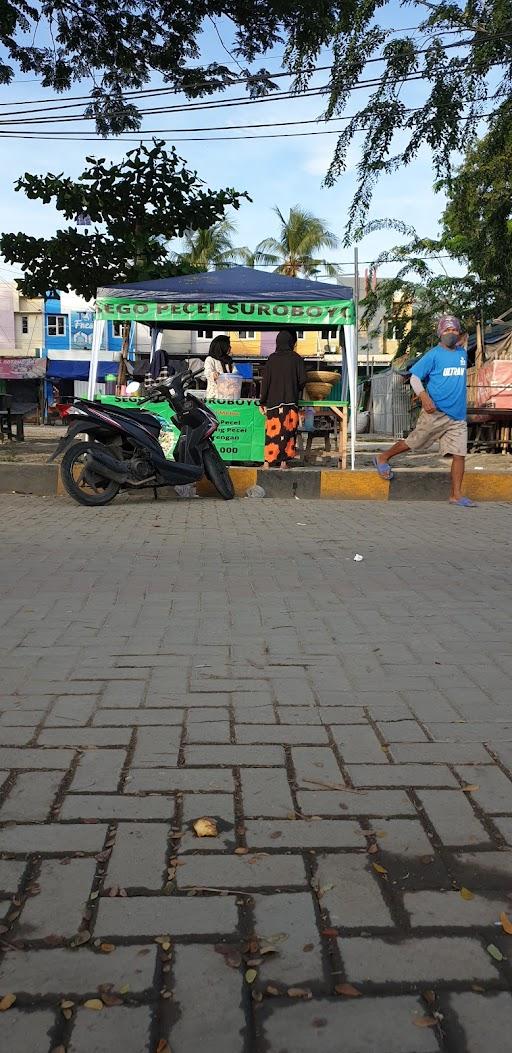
(328, 313)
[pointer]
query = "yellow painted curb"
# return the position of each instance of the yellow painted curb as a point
(353, 486)
(242, 479)
(488, 486)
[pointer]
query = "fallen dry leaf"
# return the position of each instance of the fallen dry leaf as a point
(6, 1002)
(271, 990)
(329, 932)
(506, 923)
(124, 989)
(348, 990)
(81, 938)
(163, 1046)
(379, 869)
(205, 827)
(93, 1003)
(107, 948)
(241, 851)
(495, 953)
(113, 891)
(250, 976)
(466, 893)
(372, 850)
(307, 947)
(299, 992)
(58, 1049)
(429, 997)
(67, 1004)
(478, 988)
(470, 788)
(424, 1021)
(110, 999)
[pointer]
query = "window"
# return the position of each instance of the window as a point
(246, 334)
(56, 325)
(117, 328)
(24, 324)
(204, 334)
(300, 334)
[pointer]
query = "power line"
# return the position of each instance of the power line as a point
(211, 103)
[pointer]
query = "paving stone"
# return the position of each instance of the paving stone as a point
(266, 793)
(368, 802)
(316, 765)
(256, 714)
(299, 715)
(303, 833)
(453, 817)
(196, 805)
(299, 958)
(504, 752)
(207, 714)
(124, 694)
(116, 806)
(484, 870)
(36, 759)
(71, 711)
(367, 1025)
(202, 979)
(288, 734)
(15, 736)
(65, 972)
(85, 737)
(137, 717)
(122, 1027)
(20, 717)
(245, 756)
(450, 909)
(246, 700)
(421, 960)
(138, 856)
(401, 731)
(59, 907)
(237, 872)
(494, 792)
(505, 827)
(98, 771)
(292, 689)
(352, 895)
(189, 700)
(157, 747)
(182, 779)
(400, 775)
(358, 745)
(440, 753)
(209, 731)
(53, 838)
(147, 916)
(31, 797)
(342, 715)
(486, 1021)
(10, 876)
(402, 837)
(472, 732)
(22, 1031)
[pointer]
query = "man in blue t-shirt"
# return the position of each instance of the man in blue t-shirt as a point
(439, 381)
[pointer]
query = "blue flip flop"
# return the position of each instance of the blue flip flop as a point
(464, 502)
(383, 470)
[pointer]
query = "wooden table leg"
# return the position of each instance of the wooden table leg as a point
(341, 413)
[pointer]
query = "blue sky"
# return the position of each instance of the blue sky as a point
(273, 171)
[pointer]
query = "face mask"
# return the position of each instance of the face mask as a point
(450, 339)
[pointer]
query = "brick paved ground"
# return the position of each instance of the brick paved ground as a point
(349, 726)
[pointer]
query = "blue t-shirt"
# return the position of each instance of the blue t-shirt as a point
(443, 372)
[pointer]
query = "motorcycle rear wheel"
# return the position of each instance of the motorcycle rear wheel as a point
(81, 483)
(217, 472)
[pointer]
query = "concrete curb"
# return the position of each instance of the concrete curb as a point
(43, 480)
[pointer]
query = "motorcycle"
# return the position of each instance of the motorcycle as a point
(121, 450)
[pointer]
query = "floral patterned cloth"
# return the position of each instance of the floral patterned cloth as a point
(281, 434)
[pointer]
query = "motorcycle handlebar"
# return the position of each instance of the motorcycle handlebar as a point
(181, 379)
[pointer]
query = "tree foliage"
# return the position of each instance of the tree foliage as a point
(212, 248)
(135, 207)
(301, 237)
(121, 45)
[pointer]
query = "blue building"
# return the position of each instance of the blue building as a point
(67, 335)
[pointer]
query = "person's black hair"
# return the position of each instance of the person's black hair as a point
(286, 339)
(219, 349)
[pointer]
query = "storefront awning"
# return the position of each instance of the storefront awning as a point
(58, 369)
(22, 368)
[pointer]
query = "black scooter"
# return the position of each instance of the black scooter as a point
(111, 448)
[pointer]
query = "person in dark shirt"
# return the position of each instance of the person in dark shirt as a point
(284, 378)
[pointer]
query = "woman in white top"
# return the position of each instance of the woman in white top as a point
(217, 361)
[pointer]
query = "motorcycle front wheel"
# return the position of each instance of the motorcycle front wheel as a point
(81, 482)
(217, 472)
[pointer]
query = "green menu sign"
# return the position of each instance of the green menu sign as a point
(324, 313)
(239, 437)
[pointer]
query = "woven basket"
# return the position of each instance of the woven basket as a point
(323, 376)
(318, 391)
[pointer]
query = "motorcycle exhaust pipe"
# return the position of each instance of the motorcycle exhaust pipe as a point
(118, 475)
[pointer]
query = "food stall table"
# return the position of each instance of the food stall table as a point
(340, 410)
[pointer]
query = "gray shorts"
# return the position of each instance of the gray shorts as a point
(452, 435)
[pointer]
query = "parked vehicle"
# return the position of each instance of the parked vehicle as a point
(111, 448)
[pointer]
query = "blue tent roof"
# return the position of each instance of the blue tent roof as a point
(71, 369)
(228, 286)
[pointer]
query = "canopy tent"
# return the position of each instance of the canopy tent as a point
(237, 297)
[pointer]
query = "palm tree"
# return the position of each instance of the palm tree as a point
(210, 249)
(302, 235)
(257, 257)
